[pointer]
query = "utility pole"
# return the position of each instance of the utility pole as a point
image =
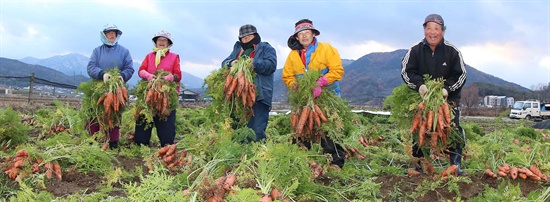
(30, 87)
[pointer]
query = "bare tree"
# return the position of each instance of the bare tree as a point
(470, 96)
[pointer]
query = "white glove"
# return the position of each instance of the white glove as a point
(106, 77)
(233, 63)
(445, 93)
(423, 90)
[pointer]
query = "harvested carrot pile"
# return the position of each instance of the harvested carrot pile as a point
(504, 170)
(171, 157)
(21, 160)
(239, 84)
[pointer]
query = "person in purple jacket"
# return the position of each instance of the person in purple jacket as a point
(108, 56)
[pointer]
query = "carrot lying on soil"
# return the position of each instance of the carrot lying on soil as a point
(490, 173)
(412, 172)
(57, 170)
(275, 194)
(537, 172)
(229, 181)
(514, 172)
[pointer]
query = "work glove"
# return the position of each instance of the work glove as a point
(251, 66)
(233, 63)
(146, 75)
(321, 82)
(106, 77)
(422, 90)
(445, 93)
(120, 77)
(294, 86)
(169, 77)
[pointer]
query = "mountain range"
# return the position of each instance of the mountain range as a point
(76, 64)
(367, 80)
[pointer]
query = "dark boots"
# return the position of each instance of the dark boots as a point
(113, 145)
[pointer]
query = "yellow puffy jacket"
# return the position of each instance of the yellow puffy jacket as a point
(324, 56)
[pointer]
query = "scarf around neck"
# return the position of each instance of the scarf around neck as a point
(160, 52)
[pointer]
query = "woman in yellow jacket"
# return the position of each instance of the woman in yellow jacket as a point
(308, 53)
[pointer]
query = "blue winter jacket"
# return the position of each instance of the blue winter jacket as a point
(107, 57)
(265, 64)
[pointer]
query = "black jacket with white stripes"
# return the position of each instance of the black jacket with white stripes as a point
(445, 62)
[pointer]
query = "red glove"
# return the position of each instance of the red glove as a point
(321, 82)
(146, 75)
(169, 77)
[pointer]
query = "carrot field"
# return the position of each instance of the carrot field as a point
(211, 161)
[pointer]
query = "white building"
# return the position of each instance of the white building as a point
(498, 101)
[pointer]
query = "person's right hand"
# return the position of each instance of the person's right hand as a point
(146, 75)
(422, 90)
(106, 77)
(233, 63)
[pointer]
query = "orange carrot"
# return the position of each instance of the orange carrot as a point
(412, 172)
(162, 151)
(104, 147)
(101, 98)
(227, 83)
(320, 113)
(421, 106)
(502, 174)
(446, 112)
(57, 170)
(514, 172)
(125, 93)
(421, 132)
(316, 119)
(416, 122)
(522, 175)
(22, 153)
(441, 119)
(240, 79)
(168, 158)
(490, 173)
(231, 88)
(430, 120)
(49, 170)
(229, 181)
(293, 119)
(275, 194)
(171, 150)
(535, 171)
(303, 118)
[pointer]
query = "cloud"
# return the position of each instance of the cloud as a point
(357, 50)
(545, 62)
(200, 70)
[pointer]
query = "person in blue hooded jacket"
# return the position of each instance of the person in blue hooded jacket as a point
(109, 55)
(264, 62)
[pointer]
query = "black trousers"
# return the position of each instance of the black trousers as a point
(166, 130)
(330, 147)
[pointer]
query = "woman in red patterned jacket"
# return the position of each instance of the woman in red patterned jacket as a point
(160, 58)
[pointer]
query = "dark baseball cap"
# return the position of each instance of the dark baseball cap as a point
(434, 18)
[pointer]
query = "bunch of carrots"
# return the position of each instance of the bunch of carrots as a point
(505, 170)
(17, 164)
(306, 121)
(158, 95)
(239, 83)
(113, 100)
(218, 190)
(432, 120)
(171, 157)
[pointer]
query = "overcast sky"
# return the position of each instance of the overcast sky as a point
(508, 39)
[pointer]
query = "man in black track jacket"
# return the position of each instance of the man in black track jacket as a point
(440, 59)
